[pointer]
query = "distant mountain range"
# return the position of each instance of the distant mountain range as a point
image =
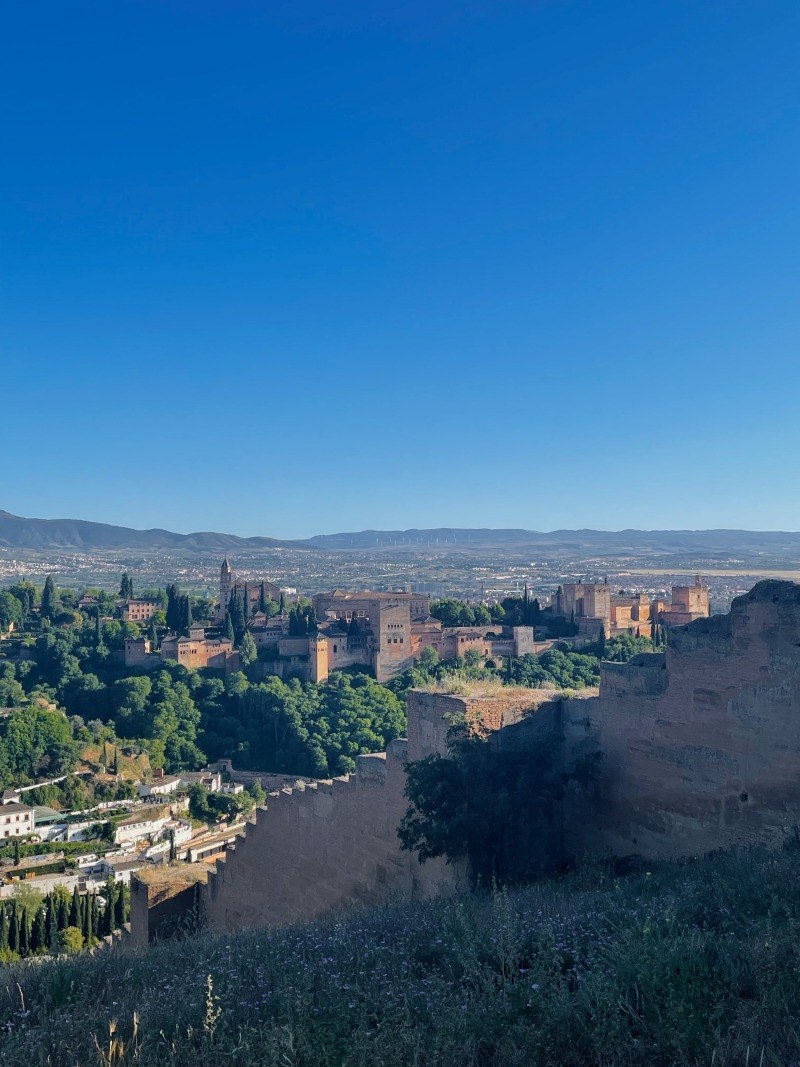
(79, 535)
(41, 534)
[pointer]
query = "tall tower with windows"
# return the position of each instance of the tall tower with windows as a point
(225, 587)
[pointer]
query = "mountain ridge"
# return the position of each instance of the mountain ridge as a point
(22, 532)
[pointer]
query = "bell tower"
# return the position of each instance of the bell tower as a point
(225, 585)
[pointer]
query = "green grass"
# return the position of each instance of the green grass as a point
(695, 963)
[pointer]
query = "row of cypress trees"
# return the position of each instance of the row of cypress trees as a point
(30, 929)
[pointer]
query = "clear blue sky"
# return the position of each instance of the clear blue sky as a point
(286, 268)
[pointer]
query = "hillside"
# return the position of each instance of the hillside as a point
(40, 534)
(605, 544)
(80, 535)
(679, 964)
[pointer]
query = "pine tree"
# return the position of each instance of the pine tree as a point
(48, 598)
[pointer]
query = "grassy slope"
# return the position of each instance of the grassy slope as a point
(690, 963)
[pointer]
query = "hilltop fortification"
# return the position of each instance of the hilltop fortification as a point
(701, 750)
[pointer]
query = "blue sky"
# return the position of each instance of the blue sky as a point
(288, 268)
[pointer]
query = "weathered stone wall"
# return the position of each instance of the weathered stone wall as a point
(332, 844)
(702, 744)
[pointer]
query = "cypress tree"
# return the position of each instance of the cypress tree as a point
(173, 608)
(3, 927)
(187, 612)
(262, 600)
(17, 853)
(47, 608)
(115, 764)
(282, 605)
(94, 916)
(98, 627)
(39, 939)
(153, 637)
(237, 614)
(246, 604)
(22, 937)
(86, 918)
(13, 929)
(52, 922)
(75, 909)
(119, 908)
(229, 632)
(62, 913)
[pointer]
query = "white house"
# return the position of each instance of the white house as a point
(145, 823)
(161, 787)
(16, 820)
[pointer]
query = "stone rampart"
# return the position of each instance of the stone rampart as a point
(702, 751)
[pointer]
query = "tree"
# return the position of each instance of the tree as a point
(262, 599)
(39, 939)
(248, 653)
(98, 627)
(282, 605)
(153, 637)
(11, 611)
(16, 852)
(48, 605)
(70, 941)
(126, 587)
(173, 608)
(246, 604)
(479, 801)
(229, 631)
(236, 612)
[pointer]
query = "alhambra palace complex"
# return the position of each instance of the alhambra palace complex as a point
(701, 750)
(385, 631)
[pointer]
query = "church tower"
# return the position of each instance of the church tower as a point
(225, 587)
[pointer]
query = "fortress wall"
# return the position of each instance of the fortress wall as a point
(430, 715)
(326, 847)
(704, 751)
(333, 844)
